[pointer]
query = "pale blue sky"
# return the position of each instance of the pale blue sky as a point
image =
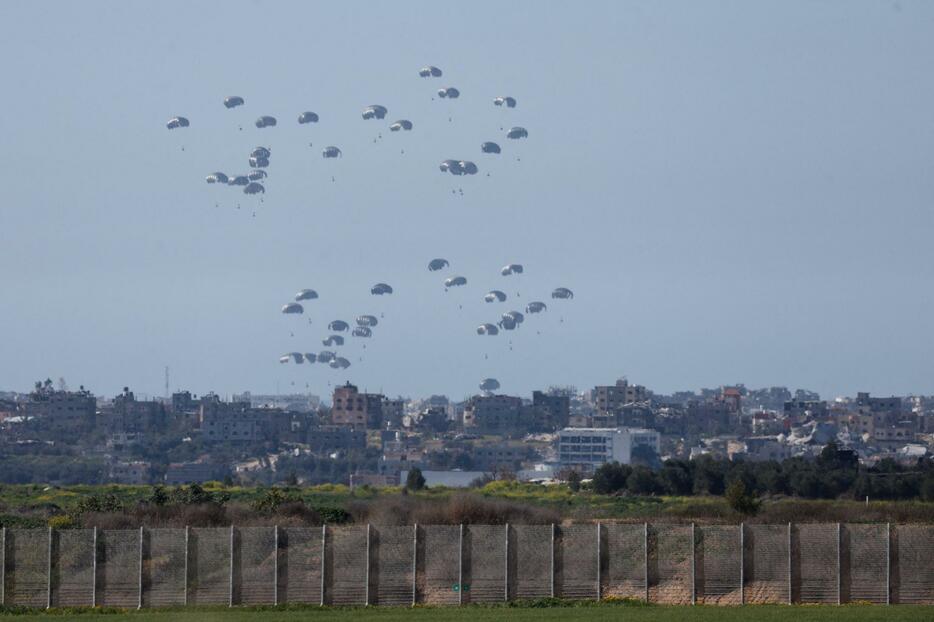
(736, 192)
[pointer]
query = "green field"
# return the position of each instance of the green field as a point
(589, 613)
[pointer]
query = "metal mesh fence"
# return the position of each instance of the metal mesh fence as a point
(438, 564)
(670, 559)
(27, 575)
(300, 564)
(530, 574)
(767, 564)
(864, 564)
(392, 560)
(485, 563)
(118, 580)
(718, 562)
(814, 555)
(209, 566)
(913, 579)
(625, 550)
(576, 560)
(165, 567)
(72, 570)
(255, 559)
(346, 566)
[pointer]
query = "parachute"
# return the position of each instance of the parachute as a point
(429, 72)
(508, 323)
(437, 264)
(468, 167)
(233, 101)
(562, 293)
(266, 121)
(401, 124)
(238, 180)
(513, 268)
(509, 102)
(515, 316)
(261, 152)
(218, 178)
(339, 362)
(381, 288)
(517, 132)
(374, 112)
(487, 329)
(306, 294)
(338, 326)
(362, 331)
(367, 320)
(451, 166)
(293, 307)
(449, 92)
(489, 384)
(176, 122)
(254, 188)
(259, 162)
(455, 281)
(297, 357)
(307, 117)
(310, 357)
(326, 356)
(331, 152)
(490, 148)
(257, 174)
(535, 307)
(333, 340)
(495, 296)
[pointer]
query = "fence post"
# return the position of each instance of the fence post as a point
(791, 599)
(888, 563)
(3, 565)
(366, 592)
(230, 597)
(839, 563)
(139, 600)
(186, 564)
(742, 563)
(506, 574)
(48, 587)
(599, 591)
(460, 567)
(414, 564)
(693, 566)
(94, 569)
(552, 560)
(324, 567)
(275, 567)
(645, 550)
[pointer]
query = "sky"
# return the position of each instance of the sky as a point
(734, 191)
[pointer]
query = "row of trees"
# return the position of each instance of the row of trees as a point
(834, 474)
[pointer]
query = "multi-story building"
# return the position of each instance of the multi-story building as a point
(492, 413)
(351, 408)
(330, 438)
(765, 448)
(612, 397)
(127, 414)
(585, 449)
(66, 413)
(549, 411)
(498, 456)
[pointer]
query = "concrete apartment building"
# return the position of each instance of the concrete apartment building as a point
(613, 397)
(492, 413)
(585, 449)
(349, 407)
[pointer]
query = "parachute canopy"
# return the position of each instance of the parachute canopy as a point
(339, 362)
(326, 356)
(516, 317)
(306, 294)
(469, 167)
(449, 92)
(487, 329)
(308, 117)
(331, 152)
(362, 331)
(256, 175)
(333, 340)
(429, 72)
(381, 288)
(489, 384)
(437, 264)
(374, 112)
(401, 124)
(517, 132)
(266, 121)
(490, 148)
(509, 102)
(238, 180)
(562, 292)
(297, 357)
(455, 281)
(508, 323)
(259, 162)
(513, 268)
(176, 122)
(260, 152)
(338, 326)
(310, 357)
(254, 187)
(293, 307)
(495, 296)
(367, 320)
(233, 101)
(217, 178)
(535, 307)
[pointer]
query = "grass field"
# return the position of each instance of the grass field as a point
(590, 613)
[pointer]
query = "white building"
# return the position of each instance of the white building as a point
(586, 449)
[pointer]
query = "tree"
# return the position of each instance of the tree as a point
(574, 481)
(415, 480)
(642, 481)
(610, 478)
(740, 500)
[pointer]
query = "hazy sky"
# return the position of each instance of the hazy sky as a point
(735, 191)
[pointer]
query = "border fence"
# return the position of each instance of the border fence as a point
(460, 564)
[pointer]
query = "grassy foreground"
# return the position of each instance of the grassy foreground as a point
(587, 612)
